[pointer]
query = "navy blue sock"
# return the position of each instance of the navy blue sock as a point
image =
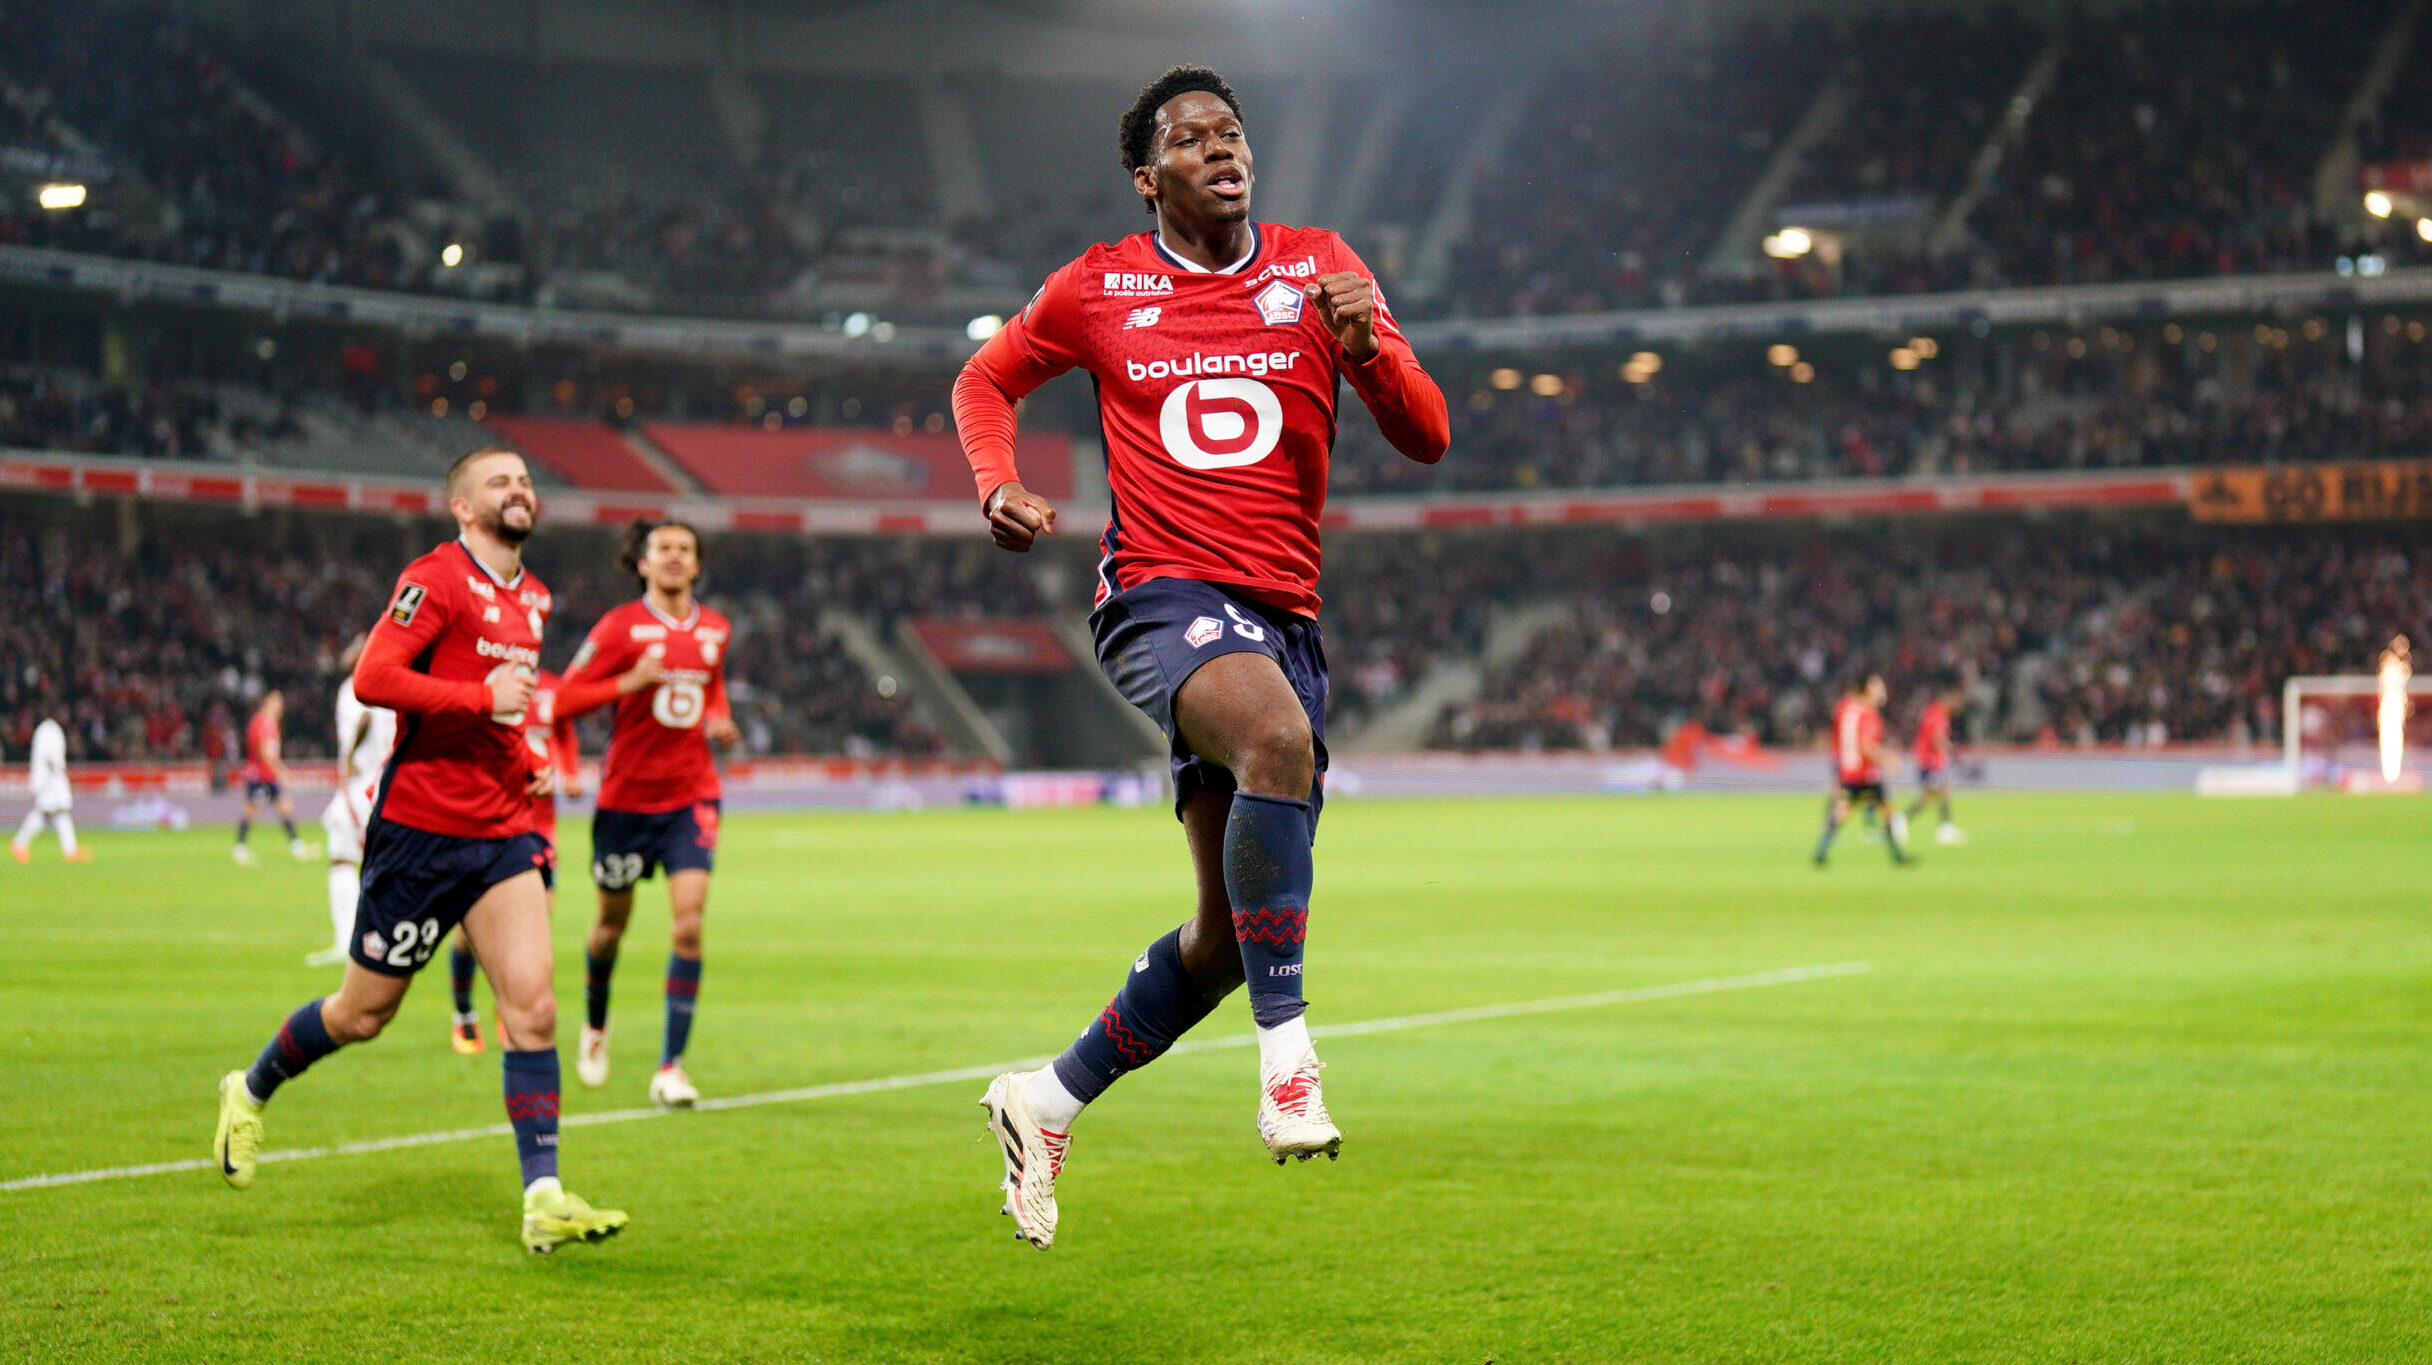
(1158, 1003)
(302, 1041)
(532, 1109)
(1832, 826)
(290, 827)
(596, 974)
(683, 992)
(1267, 873)
(460, 975)
(244, 826)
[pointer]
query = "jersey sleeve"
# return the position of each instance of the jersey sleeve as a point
(1408, 407)
(1041, 342)
(385, 675)
(590, 681)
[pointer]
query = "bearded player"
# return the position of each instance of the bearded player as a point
(659, 792)
(451, 837)
(556, 747)
(1219, 346)
(1859, 759)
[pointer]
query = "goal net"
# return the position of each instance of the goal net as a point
(2333, 734)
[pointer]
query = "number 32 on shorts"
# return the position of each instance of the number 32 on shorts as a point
(677, 704)
(616, 871)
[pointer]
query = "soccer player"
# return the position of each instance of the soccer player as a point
(451, 837)
(554, 744)
(366, 734)
(1859, 759)
(266, 778)
(659, 792)
(2395, 669)
(54, 797)
(1219, 346)
(1934, 763)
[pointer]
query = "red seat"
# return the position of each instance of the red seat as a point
(859, 464)
(586, 453)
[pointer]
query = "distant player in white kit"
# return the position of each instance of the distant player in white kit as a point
(47, 778)
(2396, 670)
(365, 736)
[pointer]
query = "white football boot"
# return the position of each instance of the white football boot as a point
(591, 1057)
(1292, 1118)
(1034, 1157)
(1950, 835)
(672, 1089)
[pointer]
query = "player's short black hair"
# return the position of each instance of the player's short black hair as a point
(1139, 126)
(457, 469)
(637, 544)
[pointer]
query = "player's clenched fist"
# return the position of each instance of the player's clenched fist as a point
(510, 693)
(648, 671)
(1017, 517)
(1346, 303)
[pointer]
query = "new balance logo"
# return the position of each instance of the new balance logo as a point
(1142, 317)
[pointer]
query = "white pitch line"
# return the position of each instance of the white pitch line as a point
(1707, 986)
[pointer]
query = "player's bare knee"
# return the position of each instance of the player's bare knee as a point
(530, 1022)
(1281, 761)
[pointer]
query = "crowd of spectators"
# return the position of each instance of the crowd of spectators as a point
(2066, 635)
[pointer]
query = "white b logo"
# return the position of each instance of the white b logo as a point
(1221, 423)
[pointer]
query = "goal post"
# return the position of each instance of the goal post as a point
(2331, 733)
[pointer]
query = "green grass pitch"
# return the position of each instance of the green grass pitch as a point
(2131, 1079)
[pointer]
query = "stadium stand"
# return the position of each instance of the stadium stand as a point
(832, 462)
(588, 454)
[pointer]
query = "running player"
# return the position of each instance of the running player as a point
(366, 734)
(1219, 346)
(54, 796)
(1934, 764)
(659, 792)
(451, 837)
(266, 778)
(554, 745)
(1859, 759)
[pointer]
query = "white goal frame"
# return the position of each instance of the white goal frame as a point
(2293, 692)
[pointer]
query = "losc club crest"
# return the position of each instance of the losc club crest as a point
(1280, 303)
(1203, 632)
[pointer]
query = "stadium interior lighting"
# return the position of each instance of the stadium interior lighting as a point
(1790, 242)
(857, 323)
(1781, 354)
(1903, 358)
(983, 327)
(1802, 373)
(1505, 379)
(2377, 204)
(452, 255)
(60, 196)
(2423, 228)
(1640, 368)
(1925, 347)
(1546, 385)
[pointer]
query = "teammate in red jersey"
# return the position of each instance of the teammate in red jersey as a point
(1934, 762)
(659, 792)
(1858, 760)
(556, 747)
(265, 777)
(1219, 346)
(452, 837)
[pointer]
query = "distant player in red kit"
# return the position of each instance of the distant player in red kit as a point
(1858, 760)
(1934, 762)
(557, 748)
(451, 839)
(659, 790)
(265, 776)
(1219, 346)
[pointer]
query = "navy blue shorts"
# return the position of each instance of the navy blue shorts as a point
(258, 790)
(1153, 637)
(1932, 776)
(628, 846)
(417, 886)
(1865, 791)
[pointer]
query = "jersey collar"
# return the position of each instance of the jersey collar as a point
(670, 622)
(1157, 240)
(485, 569)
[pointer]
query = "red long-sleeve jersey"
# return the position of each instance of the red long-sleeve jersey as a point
(554, 746)
(457, 769)
(657, 759)
(1216, 397)
(1857, 732)
(1934, 736)
(262, 750)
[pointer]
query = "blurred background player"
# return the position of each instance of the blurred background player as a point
(659, 794)
(54, 796)
(451, 838)
(1859, 760)
(553, 743)
(1934, 764)
(266, 778)
(2395, 671)
(1206, 607)
(365, 735)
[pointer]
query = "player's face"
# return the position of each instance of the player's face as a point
(1199, 161)
(1876, 692)
(672, 559)
(496, 495)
